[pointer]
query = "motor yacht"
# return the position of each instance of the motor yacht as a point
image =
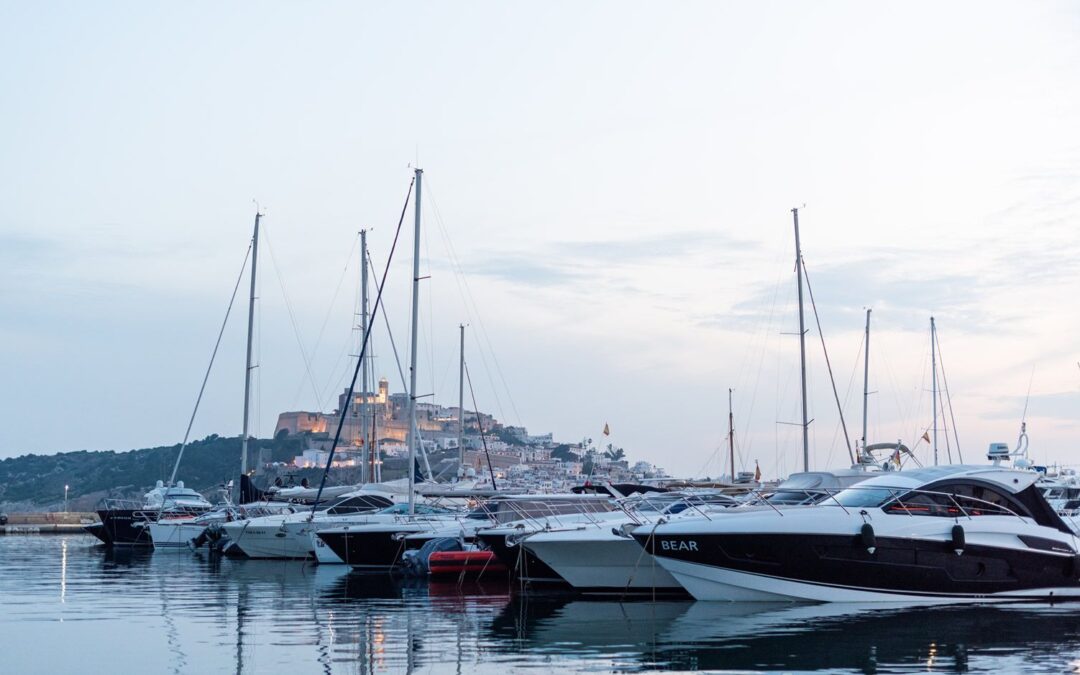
(943, 534)
(124, 522)
(379, 546)
(286, 536)
(606, 559)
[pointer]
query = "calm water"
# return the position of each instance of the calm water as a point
(68, 605)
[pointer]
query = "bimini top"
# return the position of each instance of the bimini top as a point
(1010, 480)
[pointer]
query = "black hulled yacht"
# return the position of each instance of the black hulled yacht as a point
(125, 523)
(943, 534)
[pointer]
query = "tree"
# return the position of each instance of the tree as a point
(614, 454)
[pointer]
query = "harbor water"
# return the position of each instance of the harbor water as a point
(68, 604)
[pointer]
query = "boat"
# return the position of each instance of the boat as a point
(943, 534)
(468, 564)
(380, 545)
(125, 522)
(504, 539)
(286, 535)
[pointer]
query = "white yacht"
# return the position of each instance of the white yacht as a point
(606, 559)
(381, 545)
(943, 534)
(125, 523)
(286, 535)
(177, 533)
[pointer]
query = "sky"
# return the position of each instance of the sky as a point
(606, 203)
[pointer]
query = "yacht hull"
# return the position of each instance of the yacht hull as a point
(836, 568)
(270, 541)
(174, 536)
(123, 527)
(369, 550)
(523, 564)
(611, 565)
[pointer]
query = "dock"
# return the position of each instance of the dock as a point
(71, 522)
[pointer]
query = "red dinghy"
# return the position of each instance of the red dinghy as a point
(442, 564)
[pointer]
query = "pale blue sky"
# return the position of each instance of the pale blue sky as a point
(615, 179)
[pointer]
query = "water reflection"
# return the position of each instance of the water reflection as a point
(183, 612)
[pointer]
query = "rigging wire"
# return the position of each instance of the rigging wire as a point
(360, 361)
(479, 425)
(474, 313)
(292, 318)
(213, 355)
(393, 346)
(767, 334)
(828, 364)
(948, 397)
(321, 394)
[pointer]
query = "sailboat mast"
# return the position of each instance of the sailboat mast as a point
(731, 433)
(366, 443)
(802, 345)
(933, 371)
(250, 333)
(461, 406)
(866, 379)
(419, 173)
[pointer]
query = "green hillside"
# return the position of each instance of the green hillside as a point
(40, 479)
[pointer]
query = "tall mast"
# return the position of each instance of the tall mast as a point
(731, 433)
(365, 448)
(412, 351)
(802, 346)
(461, 406)
(866, 379)
(933, 370)
(250, 333)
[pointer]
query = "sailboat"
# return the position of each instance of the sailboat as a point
(175, 506)
(172, 531)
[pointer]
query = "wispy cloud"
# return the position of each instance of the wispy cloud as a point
(568, 263)
(1062, 407)
(522, 269)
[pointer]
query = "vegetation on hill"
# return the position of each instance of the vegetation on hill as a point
(40, 479)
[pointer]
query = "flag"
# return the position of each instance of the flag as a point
(896, 457)
(926, 436)
(418, 475)
(607, 431)
(757, 471)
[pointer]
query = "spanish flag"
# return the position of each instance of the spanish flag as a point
(607, 431)
(757, 471)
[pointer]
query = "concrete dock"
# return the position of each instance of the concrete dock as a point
(47, 523)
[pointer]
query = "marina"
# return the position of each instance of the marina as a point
(129, 611)
(604, 336)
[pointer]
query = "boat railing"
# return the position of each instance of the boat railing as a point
(904, 501)
(540, 514)
(121, 504)
(178, 511)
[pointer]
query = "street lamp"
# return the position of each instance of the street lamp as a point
(65, 498)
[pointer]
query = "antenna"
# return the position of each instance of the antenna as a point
(1023, 418)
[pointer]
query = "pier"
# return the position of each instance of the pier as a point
(71, 522)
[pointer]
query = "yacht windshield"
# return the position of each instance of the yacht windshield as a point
(795, 497)
(855, 496)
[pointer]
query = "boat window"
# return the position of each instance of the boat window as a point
(795, 497)
(923, 504)
(358, 504)
(699, 500)
(426, 509)
(952, 500)
(855, 496)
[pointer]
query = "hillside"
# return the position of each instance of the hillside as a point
(37, 481)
